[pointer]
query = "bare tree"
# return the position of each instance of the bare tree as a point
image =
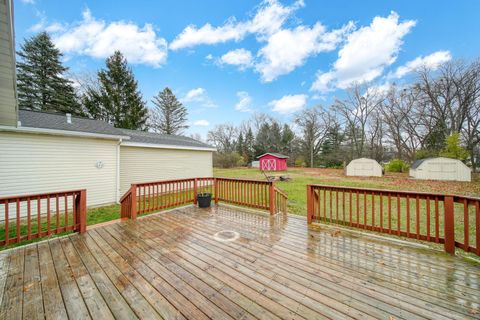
(223, 137)
(405, 121)
(314, 124)
(356, 110)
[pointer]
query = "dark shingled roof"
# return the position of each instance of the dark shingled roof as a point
(278, 155)
(167, 139)
(55, 121)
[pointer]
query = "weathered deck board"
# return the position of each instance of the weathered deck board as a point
(171, 266)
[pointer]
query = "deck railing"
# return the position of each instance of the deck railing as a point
(450, 220)
(32, 216)
(149, 197)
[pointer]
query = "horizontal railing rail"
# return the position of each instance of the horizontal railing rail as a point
(27, 217)
(154, 196)
(446, 219)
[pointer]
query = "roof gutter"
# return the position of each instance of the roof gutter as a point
(62, 133)
(165, 146)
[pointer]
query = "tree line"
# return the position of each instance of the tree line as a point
(438, 114)
(112, 95)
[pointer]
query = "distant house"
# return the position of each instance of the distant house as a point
(440, 169)
(273, 162)
(364, 167)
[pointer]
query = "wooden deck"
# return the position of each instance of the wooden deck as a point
(171, 265)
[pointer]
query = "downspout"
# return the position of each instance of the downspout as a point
(117, 180)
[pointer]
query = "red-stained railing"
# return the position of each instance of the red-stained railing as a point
(249, 193)
(148, 197)
(281, 200)
(451, 220)
(34, 216)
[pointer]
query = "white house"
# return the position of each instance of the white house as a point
(46, 152)
(52, 152)
(364, 167)
(440, 169)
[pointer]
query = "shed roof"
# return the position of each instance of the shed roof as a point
(418, 162)
(276, 155)
(56, 121)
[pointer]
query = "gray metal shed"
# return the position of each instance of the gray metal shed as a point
(440, 168)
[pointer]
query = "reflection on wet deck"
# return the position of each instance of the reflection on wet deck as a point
(180, 264)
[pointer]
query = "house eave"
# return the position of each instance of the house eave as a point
(165, 146)
(57, 132)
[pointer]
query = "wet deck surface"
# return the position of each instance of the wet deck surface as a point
(178, 265)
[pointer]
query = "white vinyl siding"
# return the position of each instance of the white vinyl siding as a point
(139, 164)
(364, 167)
(36, 163)
(8, 105)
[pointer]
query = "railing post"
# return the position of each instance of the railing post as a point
(133, 212)
(215, 186)
(449, 223)
(309, 204)
(81, 211)
(195, 191)
(272, 198)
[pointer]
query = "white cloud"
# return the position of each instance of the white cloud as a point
(432, 61)
(244, 103)
(199, 95)
(239, 57)
(201, 123)
(269, 18)
(99, 39)
(28, 1)
(366, 53)
(289, 104)
(288, 49)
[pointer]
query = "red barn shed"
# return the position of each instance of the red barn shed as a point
(273, 162)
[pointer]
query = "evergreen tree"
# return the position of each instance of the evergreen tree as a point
(169, 116)
(117, 99)
(287, 139)
(249, 145)
(240, 144)
(41, 81)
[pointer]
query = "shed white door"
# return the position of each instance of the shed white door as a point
(269, 164)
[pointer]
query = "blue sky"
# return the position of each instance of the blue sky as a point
(228, 59)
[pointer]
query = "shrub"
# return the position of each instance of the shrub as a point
(396, 165)
(227, 160)
(300, 162)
